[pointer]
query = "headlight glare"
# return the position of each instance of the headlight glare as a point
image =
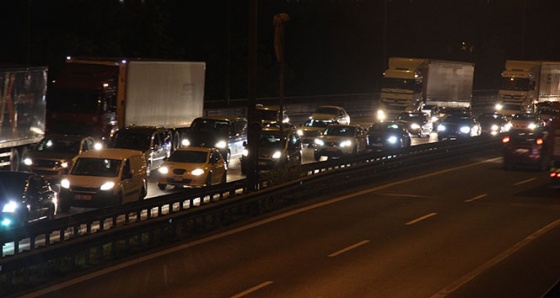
(414, 126)
(65, 183)
(392, 140)
(221, 144)
(27, 161)
(277, 155)
(163, 170)
(107, 185)
(465, 129)
(197, 172)
(185, 142)
(10, 207)
(346, 144)
(319, 142)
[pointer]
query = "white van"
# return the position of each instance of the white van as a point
(104, 177)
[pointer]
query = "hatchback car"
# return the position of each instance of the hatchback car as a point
(417, 123)
(493, 123)
(225, 133)
(105, 177)
(339, 140)
(52, 156)
(336, 113)
(276, 148)
(526, 121)
(388, 135)
(271, 114)
(25, 197)
(458, 126)
(526, 148)
(194, 167)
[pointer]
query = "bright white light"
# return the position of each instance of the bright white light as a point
(346, 144)
(221, 144)
(64, 164)
(107, 185)
(98, 146)
(415, 126)
(197, 172)
(245, 152)
(300, 132)
(465, 129)
(65, 183)
(163, 170)
(277, 155)
(441, 127)
(381, 115)
(319, 142)
(392, 139)
(185, 142)
(495, 127)
(532, 126)
(27, 161)
(6, 222)
(498, 107)
(10, 207)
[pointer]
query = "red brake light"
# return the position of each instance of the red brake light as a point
(505, 139)
(539, 141)
(552, 174)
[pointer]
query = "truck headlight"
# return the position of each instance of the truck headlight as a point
(197, 172)
(107, 185)
(494, 127)
(65, 183)
(277, 155)
(185, 142)
(381, 115)
(27, 161)
(300, 132)
(532, 126)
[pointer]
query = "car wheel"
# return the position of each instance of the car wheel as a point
(64, 204)
(224, 178)
(143, 193)
(119, 200)
(209, 179)
(51, 212)
(161, 186)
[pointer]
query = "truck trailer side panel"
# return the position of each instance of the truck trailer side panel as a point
(159, 93)
(449, 84)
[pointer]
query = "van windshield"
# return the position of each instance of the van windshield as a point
(130, 140)
(101, 167)
(187, 156)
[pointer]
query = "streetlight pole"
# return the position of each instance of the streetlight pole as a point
(254, 123)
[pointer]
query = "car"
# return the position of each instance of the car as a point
(155, 142)
(336, 113)
(312, 129)
(526, 121)
(548, 110)
(457, 126)
(554, 174)
(193, 167)
(52, 156)
(338, 140)
(526, 148)
(225, 133)
(276, 148)
(493, 123)
(388, 135)
(105, 177)
(417, 123)
(25, 197)
(271, 114)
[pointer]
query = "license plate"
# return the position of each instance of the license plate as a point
(178, 178)
(521, 151)
(82, 197)
(262, 163)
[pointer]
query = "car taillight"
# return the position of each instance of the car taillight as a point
(506, 139)
(553, 174)
(539, 141)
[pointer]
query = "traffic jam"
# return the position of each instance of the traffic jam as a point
(111, 147)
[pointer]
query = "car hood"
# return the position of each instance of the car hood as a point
(336, 138)
(323, 116)
(184, 166)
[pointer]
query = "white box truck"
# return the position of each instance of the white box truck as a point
(528, 83)
(410, 84)
(22, 112)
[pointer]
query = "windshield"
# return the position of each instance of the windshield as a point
(12, 185)
(188, 156)
(130, 140)
(458, 119)
(397, 83)
(210, 124)
(271, 141)
(59, 146)
(411, 117)
(318, 123)
(384, 127)
(101, 167)
(75, 101)
(342, 131)
(515, 84)
(524, 117)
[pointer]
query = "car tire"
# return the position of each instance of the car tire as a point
(209, 179)
(143, 193)
(161, 186)
(64, 205)
(51, 212)
(224, 178)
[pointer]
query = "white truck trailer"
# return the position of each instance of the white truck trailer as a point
(410, 84)
(22, 112)
(527, 83)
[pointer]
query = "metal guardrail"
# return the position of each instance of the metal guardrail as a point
(91, 238)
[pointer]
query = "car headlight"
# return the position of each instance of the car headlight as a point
(465, 129)
(65, 183)
(414, 126)
(495, 127)
(532, 126)
(300, 132)
(245, 152)
(381, 115)
(392, 139)
(277, 155)
(27, 161)
(185, 142)
(64, 164)
(98, 146)
(441, 127)
(107, 185)
(221, 144)
(319, 142)
(163, 170)
(197, 172)
(10, 207)
(346, 144)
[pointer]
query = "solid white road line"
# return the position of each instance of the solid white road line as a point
(525, 181)
(475, 198)
(420, 218)
(334, 254)
(253, 289)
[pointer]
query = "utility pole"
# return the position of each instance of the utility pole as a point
(279, 21)
(254, 122)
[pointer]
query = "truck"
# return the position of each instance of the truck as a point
(98, 96)
(412, 84)
(525, 84)
(22, 112)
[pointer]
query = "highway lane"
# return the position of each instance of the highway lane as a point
(472, 230)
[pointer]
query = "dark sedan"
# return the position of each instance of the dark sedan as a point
(25, 197)
(458, 126)
(493, 123)
(417, 123)
(388, 135)
(526, 148)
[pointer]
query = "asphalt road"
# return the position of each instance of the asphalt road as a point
(470, 230)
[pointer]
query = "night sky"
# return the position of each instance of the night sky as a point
(332, 46)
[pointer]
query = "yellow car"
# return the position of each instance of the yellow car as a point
(193, 167)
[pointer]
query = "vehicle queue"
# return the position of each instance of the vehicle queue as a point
(217, 140)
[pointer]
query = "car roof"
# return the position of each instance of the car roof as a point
(223, 118)
(65, 137)
(198, 149)
(111, 153)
